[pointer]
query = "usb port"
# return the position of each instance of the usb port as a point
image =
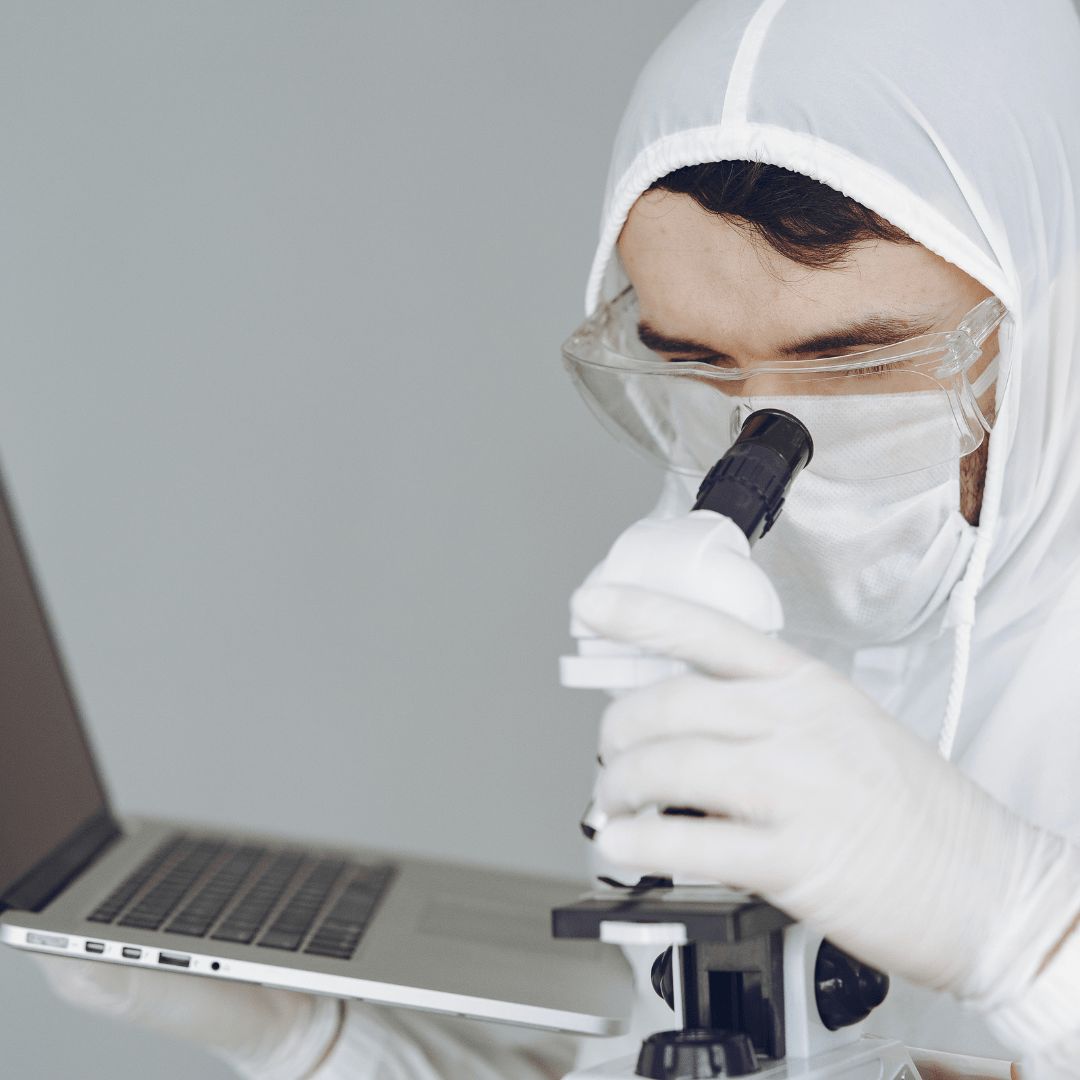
(131, 953)
(95, 946)
(174, 959)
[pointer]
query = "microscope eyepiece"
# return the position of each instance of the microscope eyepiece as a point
(749, 483)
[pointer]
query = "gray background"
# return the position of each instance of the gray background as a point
(282, 292)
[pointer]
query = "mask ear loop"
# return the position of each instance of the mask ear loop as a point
(963, 599)
(986, 379)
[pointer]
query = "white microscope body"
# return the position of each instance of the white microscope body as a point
(702, 557)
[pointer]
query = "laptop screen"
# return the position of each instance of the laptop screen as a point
(53, 808)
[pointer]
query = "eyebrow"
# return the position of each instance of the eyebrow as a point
(872, 330)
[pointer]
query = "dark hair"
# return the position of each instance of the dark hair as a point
(805, 221)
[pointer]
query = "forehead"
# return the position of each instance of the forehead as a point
(698, 276)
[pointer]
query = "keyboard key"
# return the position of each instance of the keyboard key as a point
(330, 951)
(281, 939)
(239, 935)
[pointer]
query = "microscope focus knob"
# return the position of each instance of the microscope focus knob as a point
(846, 990)
(696, 1054)
(663, 977)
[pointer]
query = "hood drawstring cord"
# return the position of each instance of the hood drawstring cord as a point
(961, 657)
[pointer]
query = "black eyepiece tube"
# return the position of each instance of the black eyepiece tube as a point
(749, 482)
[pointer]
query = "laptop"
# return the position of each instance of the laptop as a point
(210, 903)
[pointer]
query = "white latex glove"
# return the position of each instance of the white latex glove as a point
(282, 1035)
(383, 1043)
(821, 803)
(264, 1033)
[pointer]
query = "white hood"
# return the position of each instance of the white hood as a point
(957, 122)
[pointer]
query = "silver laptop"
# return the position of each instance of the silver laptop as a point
(76, 881)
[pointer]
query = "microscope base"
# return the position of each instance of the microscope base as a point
(868, 1058)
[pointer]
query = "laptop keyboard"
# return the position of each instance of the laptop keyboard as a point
(244, 893)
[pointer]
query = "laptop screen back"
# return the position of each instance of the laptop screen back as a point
(50, 794)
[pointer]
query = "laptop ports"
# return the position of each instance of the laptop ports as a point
(95, 946)
(174, 960)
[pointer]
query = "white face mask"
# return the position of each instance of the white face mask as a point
(868, 562)
(862, 563)
(865, 562)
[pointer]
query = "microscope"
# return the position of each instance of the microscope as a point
(753, 993)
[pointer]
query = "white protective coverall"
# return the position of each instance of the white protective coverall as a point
(958, 123)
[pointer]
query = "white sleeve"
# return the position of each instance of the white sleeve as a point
(1043, 1023)
(384, 1043)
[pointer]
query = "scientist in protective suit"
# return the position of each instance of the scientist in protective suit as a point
(867, 213)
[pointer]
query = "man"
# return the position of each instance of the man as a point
(878, 574)
(936, 603)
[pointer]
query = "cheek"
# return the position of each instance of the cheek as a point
(972, 477)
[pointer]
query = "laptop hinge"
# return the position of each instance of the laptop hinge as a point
(63, 864)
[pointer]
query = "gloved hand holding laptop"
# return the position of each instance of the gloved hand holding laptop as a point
(282, 1035)
(264, 1033)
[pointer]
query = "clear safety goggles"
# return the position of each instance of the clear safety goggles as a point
(881, 412)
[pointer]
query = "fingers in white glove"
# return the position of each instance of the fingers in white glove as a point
(731, 853)
(716, 777)
(689, 704)
(383, 1043)
(270, 1034)
(101, 988)
(709, 640)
